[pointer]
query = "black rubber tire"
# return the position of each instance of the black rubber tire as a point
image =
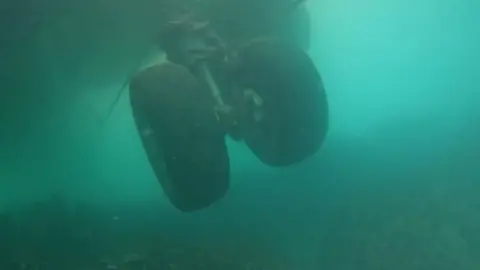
(295, 101)
(183, 140)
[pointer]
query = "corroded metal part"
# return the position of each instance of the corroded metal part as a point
(187, 40)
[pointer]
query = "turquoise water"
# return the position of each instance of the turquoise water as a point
(394, 187)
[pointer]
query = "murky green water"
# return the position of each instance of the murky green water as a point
(394, 187)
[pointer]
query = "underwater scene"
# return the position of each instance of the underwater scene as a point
(239, 135)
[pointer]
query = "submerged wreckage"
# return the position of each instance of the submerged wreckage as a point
(264, 91)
